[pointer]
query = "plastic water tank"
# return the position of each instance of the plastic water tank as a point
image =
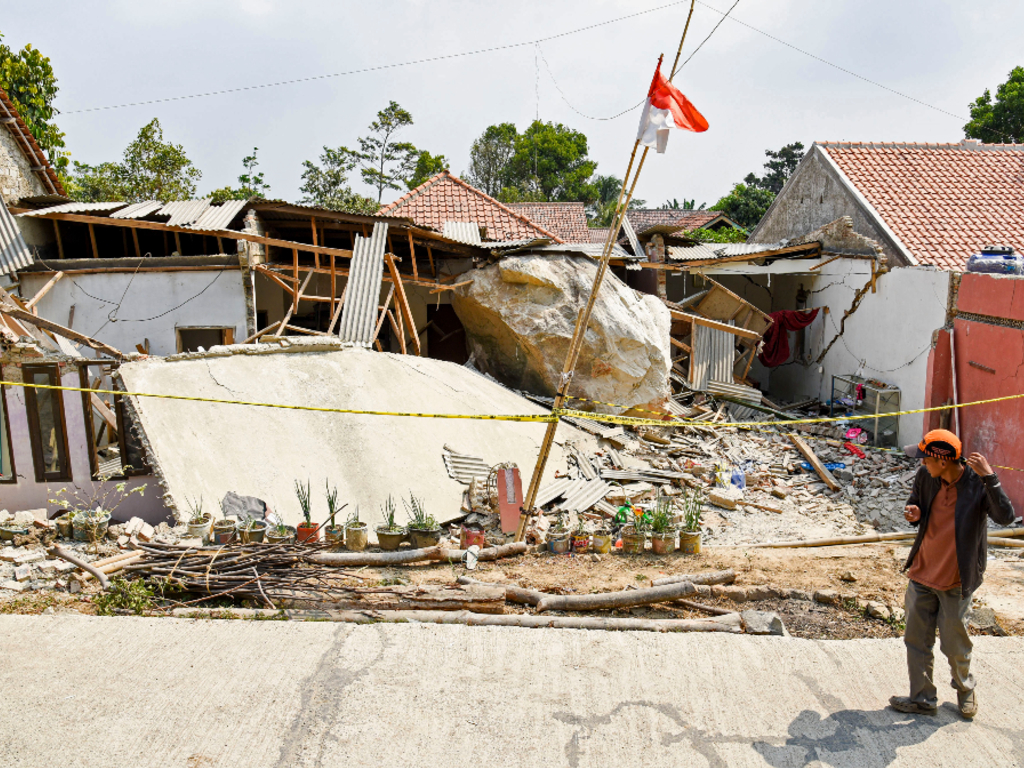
(996, 259)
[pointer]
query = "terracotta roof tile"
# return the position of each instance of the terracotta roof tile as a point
(643, 218)
(567, 220)
(446, 197)
(943, 201)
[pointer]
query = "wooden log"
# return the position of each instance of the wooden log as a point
(1003, 541)
(65, 555)
(513, 594)
(815, 462)
(30, 304)
(711, 577)
(115, 558)
(403, 598)
(114, 567)
(730, 623)
(404, 556)
(713, 610)
(608, 600)
(488, 553)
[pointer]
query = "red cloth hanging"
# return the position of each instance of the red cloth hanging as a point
(776, 338)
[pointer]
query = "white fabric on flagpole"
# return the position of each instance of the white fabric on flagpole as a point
(654, 127)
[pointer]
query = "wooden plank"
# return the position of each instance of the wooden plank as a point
(412, 256)
(383, 313)
(402, 301)
(49, 325)
(271, 275)
(741, 332)
(815, 462)
(451, 287)
(43, 291)
(92, 239)
(827, 261)
(398, 331)
(229, 338)
(681, 345)
(295, 277)
(220, 244)
(177, 242)
(291, 309)
(334, 282)
(103, 410)
(60, 242)
(337, 312)
(135, 239)
(430, 258)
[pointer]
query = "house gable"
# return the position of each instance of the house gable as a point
(24, 168)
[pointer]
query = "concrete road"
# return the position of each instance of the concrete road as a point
(96, 692)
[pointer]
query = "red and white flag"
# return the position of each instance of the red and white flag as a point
(666, 108)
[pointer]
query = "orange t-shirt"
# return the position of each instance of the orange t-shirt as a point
(935, 564)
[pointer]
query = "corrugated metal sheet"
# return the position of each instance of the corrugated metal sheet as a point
(742, 249)
(702, 252)
(593, 250)
(76, 208)
(466, 232)
(138, 210)
(465, 468)
(359, 315)
(634, 243)
(713, 356)
(14, 252)
(586, 496)
(641, 475)
(219, 216)
(549, 493)
(738, 391)
(184, 212)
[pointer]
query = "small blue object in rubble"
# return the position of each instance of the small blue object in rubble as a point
(831, 466)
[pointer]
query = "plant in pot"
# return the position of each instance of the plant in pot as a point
(634, 534)
(558, 536)
(65, 524)
(252, 530)
(602, 540)
(356, 532)
(689, 536)
(224, 530)
(423, 528)
(390, 534)
(307, 531)
(580, 538)
(280, 534)
(200, 524)
(663, 532)
(334, 534)
(92, 507)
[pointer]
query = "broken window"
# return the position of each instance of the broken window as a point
(46, 427)
(6, 452)
(115, 450)
(194, 339)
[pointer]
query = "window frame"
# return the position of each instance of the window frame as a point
(227, 334)
(5, 415)
(52, 370)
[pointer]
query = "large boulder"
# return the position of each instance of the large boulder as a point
(519, 316)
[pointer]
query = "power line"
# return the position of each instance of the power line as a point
(380, 67)
(713, 30)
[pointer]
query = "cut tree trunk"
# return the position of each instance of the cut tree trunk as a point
(403, 557)
(477, 599)
(606, 600)
(513, 594)
(709, 577)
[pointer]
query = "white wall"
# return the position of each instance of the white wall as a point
(207, 298)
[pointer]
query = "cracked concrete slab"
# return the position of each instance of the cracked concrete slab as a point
(203, 693)
(201, 449)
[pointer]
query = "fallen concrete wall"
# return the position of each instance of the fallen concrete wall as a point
(203, 450)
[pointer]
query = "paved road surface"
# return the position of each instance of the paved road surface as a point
(136, 692)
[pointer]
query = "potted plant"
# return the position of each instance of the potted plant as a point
(280, 534)
(580, 539)
(423, 528)
(9, 530)
(306, 532)
(65, 525)
(333, 534)
(90, 508)
(390, 535)
(90, 524)
(634, 535)
(558, 536)
(356, 532)
(252, 530)
(602, 540)
(224, 530)
(663, 532)
(689, 536)
(200, 523)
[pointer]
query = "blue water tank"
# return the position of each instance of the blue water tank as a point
(997, 260)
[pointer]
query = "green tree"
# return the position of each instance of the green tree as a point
(602, 209)
(489, 159)
(154, 169)
(720, 235)
(28, 78)
(686, 205)
(552, 160)
(427, 165)
(93, 183)
(385, 162)
(779, 168)
(745, 205)
(250, 183)
(326, 185)
(1002, 120)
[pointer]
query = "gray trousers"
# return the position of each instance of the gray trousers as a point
(927, 610)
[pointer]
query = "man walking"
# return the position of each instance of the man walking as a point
(950, 503)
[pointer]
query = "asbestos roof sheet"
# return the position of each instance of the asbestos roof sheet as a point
(701, 252)
(467, 232)
(359, 314)
(76, 207)
(593, 250)
(14, 251)
(742, 249)
(219, 216)
(184, 212)
(138, 210)
(465, 469)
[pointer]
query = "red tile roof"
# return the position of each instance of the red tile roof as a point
(643, 218)
(567, 220)
(942, 201)
(598, 234)
(446, 197)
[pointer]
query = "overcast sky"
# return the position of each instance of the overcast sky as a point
(756, 93)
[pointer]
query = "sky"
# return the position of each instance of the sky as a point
(757, 93)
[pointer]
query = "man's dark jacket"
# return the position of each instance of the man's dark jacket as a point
(977, 498)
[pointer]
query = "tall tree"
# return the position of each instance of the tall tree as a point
(552, 160)
(250, 183)
(427, 165)
(1001, 120)
(779, 168)
(28, 78)
(602, 210)
(385, 162)
(745, 205)
(686, 205)
(326, 185)
(93, 183)
(489, 159)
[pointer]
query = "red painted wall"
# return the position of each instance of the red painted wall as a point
(992, 295)
(938, 389)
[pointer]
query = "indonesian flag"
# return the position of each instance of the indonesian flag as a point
(666, 108)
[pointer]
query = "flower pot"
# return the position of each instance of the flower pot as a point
(632, 541)
(356, 536)
(307, 532)
(274, 535)
(470, 535)
(201, 529)
(602, 541)
(558, 542)
(388, 539)
(580, 543)
(689, 542)
(90, 527)
(420, 538)
(7, 533)
(224, 531)
(663, 543)
(334, 535)
(253, 531)
(64, 527)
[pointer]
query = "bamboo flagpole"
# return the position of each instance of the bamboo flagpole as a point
(583, 320)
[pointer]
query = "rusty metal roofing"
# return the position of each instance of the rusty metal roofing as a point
(466, 232)
(138, 210)
(183, 212)
(14, 251)
(219, 216)
(359, 314)
(76, 207)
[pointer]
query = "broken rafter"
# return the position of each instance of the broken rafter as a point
(48, 325)
(30, 305)
(402, 301)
